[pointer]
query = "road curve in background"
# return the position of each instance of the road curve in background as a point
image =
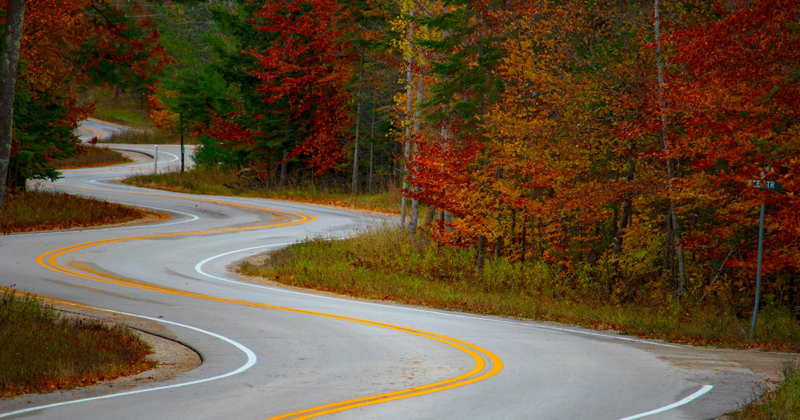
(313, 355)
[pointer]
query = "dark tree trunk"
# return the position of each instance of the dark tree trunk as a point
(626, 215)
(9, 59)
(358, 125)
(284, 169)
(481, 252)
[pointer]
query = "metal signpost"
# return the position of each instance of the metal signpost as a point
(761, 184)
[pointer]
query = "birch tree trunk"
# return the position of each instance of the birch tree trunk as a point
(414, 222)
(407, 145)
(9, 59)
(371, 150)
(358, 124)
(665, 148)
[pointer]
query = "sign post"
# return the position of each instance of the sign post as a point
(761, 184)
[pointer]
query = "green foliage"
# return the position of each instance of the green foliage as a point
(40, 137)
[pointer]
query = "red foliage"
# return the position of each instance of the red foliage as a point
(307, 66)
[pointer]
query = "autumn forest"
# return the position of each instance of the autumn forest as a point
(616, 143)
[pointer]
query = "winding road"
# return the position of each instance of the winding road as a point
(275, 353)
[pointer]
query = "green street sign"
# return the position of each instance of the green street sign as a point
(764, 184)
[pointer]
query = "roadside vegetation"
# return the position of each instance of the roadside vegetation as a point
(387, 264)
(43, 351)
(112, 104)
(38, 209)
(222, 181)
(146, 136)
(131, 109)
(89, 156)
(783, 403)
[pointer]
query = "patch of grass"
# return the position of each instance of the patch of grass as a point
(386, 264)
(220, 182)
(146, 136)
(91, 156)
(39, 210)
(783, 403)
(117, 106)
(41, 351)
(132, 117)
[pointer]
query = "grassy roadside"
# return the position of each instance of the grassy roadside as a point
(385, 264)
(218, 182)
(42, 210)
(119, 107)
(139, 135)
(783, 403)
(91, 156)
(42, 351)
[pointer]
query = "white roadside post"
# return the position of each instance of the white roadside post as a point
(155, 160)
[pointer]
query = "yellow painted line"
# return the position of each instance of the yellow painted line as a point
(100, 134)
(479, 355)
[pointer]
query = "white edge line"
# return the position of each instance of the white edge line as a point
(199, 269)
(704, 389)
(251, 360)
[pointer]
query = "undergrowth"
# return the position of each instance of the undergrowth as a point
(221, 182)
(384, 263)
(42, 351)
(39, 209)
(783, 403)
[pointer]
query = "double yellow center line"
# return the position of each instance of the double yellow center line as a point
(480, 356)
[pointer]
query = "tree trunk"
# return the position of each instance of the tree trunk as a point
(481, 252)
(371, 162)
(407, 145)
(429, 216)
(665, 148)
(371, 150)
(534, 248)
(626, 214)
(9, 60)
(358, 124)
(284, 169)
(522, 258)
(414, 223)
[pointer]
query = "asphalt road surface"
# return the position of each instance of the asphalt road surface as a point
(272, 353)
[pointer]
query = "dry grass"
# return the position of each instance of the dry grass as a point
(90, 156)
(39, 210)
(220, 182)
(386, 264)
(41, 351)
(146, 136)
(781, 404)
